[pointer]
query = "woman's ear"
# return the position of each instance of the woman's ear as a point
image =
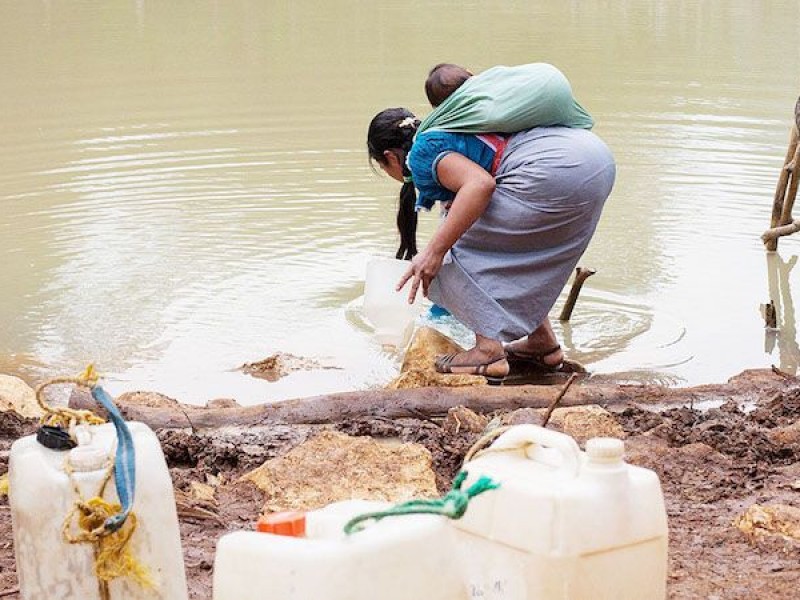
(392, 165)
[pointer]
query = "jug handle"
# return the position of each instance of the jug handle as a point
(527, 437)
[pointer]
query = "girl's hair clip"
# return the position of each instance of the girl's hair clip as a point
(408, 122)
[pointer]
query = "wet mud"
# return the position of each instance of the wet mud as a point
(714, 465)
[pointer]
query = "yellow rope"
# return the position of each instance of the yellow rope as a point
(84, 524)
(63, 416)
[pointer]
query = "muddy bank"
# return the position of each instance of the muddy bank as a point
(713, 464)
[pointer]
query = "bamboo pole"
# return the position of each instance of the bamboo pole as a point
(581, 275)
(780, 190)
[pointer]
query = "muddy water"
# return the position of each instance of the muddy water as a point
(184, 186)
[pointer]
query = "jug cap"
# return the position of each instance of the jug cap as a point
(88, 458)
(605, 450)
(289, 523)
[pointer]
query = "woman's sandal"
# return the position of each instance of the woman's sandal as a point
(494, 371)
(536, 359)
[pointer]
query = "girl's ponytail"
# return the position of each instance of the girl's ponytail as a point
(407, 222)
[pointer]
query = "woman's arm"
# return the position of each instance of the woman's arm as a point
(473, 186)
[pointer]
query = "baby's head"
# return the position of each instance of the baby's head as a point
(443, 80)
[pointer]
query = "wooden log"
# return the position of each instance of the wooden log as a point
(780, 190)
(425, 402)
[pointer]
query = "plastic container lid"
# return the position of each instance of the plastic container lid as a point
(605, 450)
(290, 523)
(88, 458)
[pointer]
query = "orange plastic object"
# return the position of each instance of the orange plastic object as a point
(291, 523)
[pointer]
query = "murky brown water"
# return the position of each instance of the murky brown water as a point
(184, 186)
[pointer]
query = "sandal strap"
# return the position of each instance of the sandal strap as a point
(444, 364)
(483, 368)
(535, 356)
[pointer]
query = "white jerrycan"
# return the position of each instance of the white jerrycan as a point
(563, 524)
(403, 558)
(42, 495)
(387, 309)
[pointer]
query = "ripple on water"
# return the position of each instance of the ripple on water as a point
(606, 334)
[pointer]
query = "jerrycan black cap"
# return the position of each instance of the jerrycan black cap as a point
(54, 438)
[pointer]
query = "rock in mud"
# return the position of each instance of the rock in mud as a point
(778, 520)
(222, 403)
(580, 422)
(18, 396)
(280, 365)
(460, 418)
(148, 399)
(417, 370)
(333, 466)
(786, 436)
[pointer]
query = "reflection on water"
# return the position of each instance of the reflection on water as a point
(784, 338)
(185, 187)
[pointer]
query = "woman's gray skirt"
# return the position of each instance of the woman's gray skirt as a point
(503, 276)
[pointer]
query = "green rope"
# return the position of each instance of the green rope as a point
(452, 505)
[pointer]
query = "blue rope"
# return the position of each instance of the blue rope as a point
(124, 461)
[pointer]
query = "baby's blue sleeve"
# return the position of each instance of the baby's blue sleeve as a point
(428, 149)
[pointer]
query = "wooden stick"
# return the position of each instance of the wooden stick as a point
(791, 192)
(773, 234)
(797, 114)
(558, 398)
(581, 275)
(780, 190)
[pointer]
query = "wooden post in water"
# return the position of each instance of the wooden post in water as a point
(581, 275)
(780, 202)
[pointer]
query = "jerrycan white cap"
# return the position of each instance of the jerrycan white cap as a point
(605, 450)
(87, 456)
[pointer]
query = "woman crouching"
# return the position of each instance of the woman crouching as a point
(521, 210)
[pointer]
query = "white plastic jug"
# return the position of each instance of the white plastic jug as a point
(41, 495)
(387, 309)
(563, 524)
(402, 558)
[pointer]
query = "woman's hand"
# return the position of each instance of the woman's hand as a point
(473, 186)
(424, 267)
